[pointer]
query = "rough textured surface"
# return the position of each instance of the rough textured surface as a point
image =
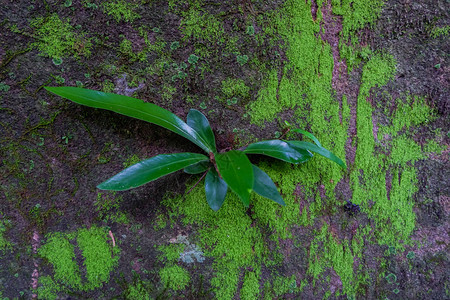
(368, 78)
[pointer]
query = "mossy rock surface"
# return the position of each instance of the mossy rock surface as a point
(368, 78)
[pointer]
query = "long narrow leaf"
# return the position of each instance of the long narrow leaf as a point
(236, 169)
(199, 123)
(280, 150)
(215, 189)
(319, 150)
(308, 134)
(264, 186)
(150, 169)
(131, 107)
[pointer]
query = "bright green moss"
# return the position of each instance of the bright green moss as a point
(57, 39)
(137, 291)
(326, 251)
(121, 10)
(440, 31)
(60, 253)
(99, 260)
(202, 26)
(108, 208)
(405, 150)
(266, 106)
(48, 289)
(394, 215)
(410, 111)
(250, 287)
(171, 253)
(283, 285)
(226, 233)
(235, 88)
(356, 14)
(174, 277)
(4, 243)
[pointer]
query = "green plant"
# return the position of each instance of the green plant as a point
(221, 169)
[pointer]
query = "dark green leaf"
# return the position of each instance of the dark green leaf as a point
(237, 171)
(215, 189)
(132, 107)
(319, 150)
(150, 169)
(264, 186)
(280, 150)
(198, 167)
(308, 134)
(199, 123)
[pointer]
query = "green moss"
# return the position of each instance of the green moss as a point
(174, 277)
(137, 291)
(4, 243)
(132, 160)
(60, 253)
(410, 111)
(108, 208)
(226, 233)
(283, 285)
(201, 26)
(433, 147)
(48, 289)
(58, 250)
(405, 150)
(440, 31)
(250, 287)
(171, 253)
(235, 88)
(107, 86)
(99, 260)
(326, 251)
(121, 10)
(57, 39)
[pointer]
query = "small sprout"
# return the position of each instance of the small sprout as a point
(396, 291)
(438, 66)
(232, 101)
(79, 83)
(231, 168)
(193, 59)
(156, 29)
(68, 3)
(250, 30)
(87, 75)
(57, 61)
(174, 45)
(410, 255)
(4, 87)
(391, 278)
(277, 134)
(183, 65)
(59, 79)
(242, 59)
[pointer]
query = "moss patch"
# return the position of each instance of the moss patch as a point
(98, 255)
(121, 10)
(174, 277)
(57, 38)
